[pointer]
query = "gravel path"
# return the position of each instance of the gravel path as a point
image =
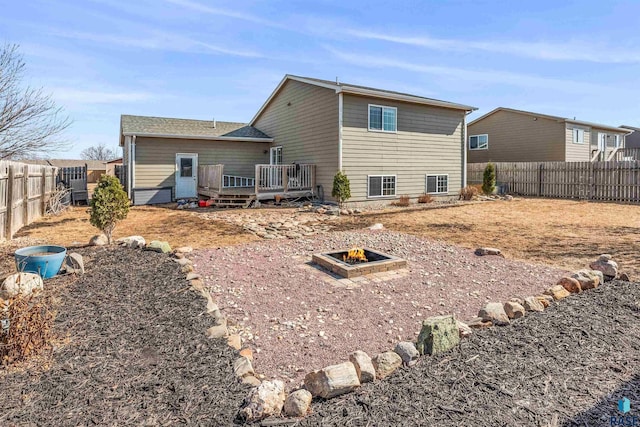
(136, 353)
(298, 318)
(567, 366)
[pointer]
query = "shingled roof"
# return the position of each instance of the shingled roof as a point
(187, 128)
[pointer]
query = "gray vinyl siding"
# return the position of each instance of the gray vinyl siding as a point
(156, 158)
(610, 141)
(515, 137)
(428, 141)
(303, 119)
(633, 140)
(578, 152)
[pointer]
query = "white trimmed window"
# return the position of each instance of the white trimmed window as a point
(578, 136)
(479, 142)
(381, 185)
(383, 119)
(437, 184)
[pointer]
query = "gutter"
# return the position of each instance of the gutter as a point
(340, 114)
(202, 137)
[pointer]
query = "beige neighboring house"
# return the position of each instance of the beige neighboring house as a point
(95, 168)
(111, 166)
(388, 144)
(508, 135)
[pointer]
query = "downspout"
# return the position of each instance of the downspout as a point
(340, 110)
(133, 165)
(464, 148)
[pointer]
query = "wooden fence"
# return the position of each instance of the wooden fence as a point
(24, 193)
(604, 181)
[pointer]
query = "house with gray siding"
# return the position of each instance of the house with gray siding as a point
(633, 139)
(388, 144)
(509, 135)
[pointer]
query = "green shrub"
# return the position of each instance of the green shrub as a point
(341, 189)
(489, 179)
(109, 205)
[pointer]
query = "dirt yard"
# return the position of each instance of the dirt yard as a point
(564, 233)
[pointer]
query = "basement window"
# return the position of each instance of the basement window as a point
(437, 184)
(381, 185)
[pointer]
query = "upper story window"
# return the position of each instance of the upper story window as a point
(383, 119)
(479, 142)
(578, 136)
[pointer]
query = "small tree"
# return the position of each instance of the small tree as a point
(98, 152)
(489, 179)
(341, 189)
(109, 205)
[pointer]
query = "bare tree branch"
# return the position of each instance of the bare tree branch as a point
(98, 152)
(30, 121)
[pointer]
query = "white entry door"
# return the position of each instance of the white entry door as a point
(186, 175)
(275, 158)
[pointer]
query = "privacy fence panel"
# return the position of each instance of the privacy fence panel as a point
(604, 181)
(24, 193)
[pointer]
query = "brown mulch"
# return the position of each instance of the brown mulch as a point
(136, 352)
(567, 366)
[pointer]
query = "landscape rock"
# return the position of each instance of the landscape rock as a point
(570, 284)
(265, 400)
(514, 310)
(159, 246)
(74, 264)
(624, 277)
(407, 352)
(377, 226)
(386, 363)
(20, 284)
(364, 367)
(494, 312)
(193, 276)
(250, 380)
(184, 250)
(234, 341)
(133, 242)
(488, 251)
(532, 304)
(242, 367)
(187, 268)
(438, 334)
(588, 279)
(478, 323)
(218, 331)
(297, 403)
(333, 380)
(183, 261)
(98, 240)
(247, 352)
(464, 330)
(606, 265)
(557, 292)
(545, 300)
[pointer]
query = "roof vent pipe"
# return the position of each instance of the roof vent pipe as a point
(214, 122)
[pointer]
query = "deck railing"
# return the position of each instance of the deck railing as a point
(627, 154)
(284, 178)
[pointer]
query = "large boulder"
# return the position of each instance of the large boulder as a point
(297, 403)
(606, 265)
(20, 284)
(73, 264)
(364, 367)
(494, 312)
(332, 381)
(159, 246)
(265, 400)
(438, 334)
(133, 242)
(386, 363)
(588, 279)
(98, 240)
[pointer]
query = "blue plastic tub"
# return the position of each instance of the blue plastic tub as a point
(43, 260)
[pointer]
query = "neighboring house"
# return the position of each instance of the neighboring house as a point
(632, 140)
(111, 166)
(508, 135)
(388, 143)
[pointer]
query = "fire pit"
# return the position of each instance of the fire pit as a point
(358, 262)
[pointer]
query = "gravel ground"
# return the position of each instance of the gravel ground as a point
(298, 320)
(566, 366)
(135, 352)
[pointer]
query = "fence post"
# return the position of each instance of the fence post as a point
(43, 191)
(25, 194)
(9, 224)
(540, 168)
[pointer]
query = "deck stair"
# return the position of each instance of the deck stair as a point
(231, 200)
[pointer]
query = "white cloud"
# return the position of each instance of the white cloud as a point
(562, 51)
(480, 76)
(66, 95)
(199, 7)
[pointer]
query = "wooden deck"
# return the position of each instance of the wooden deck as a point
(271, 182)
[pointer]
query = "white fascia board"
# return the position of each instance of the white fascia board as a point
(405, 98)
(202, 137)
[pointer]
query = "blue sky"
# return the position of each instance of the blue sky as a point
(203, 59)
